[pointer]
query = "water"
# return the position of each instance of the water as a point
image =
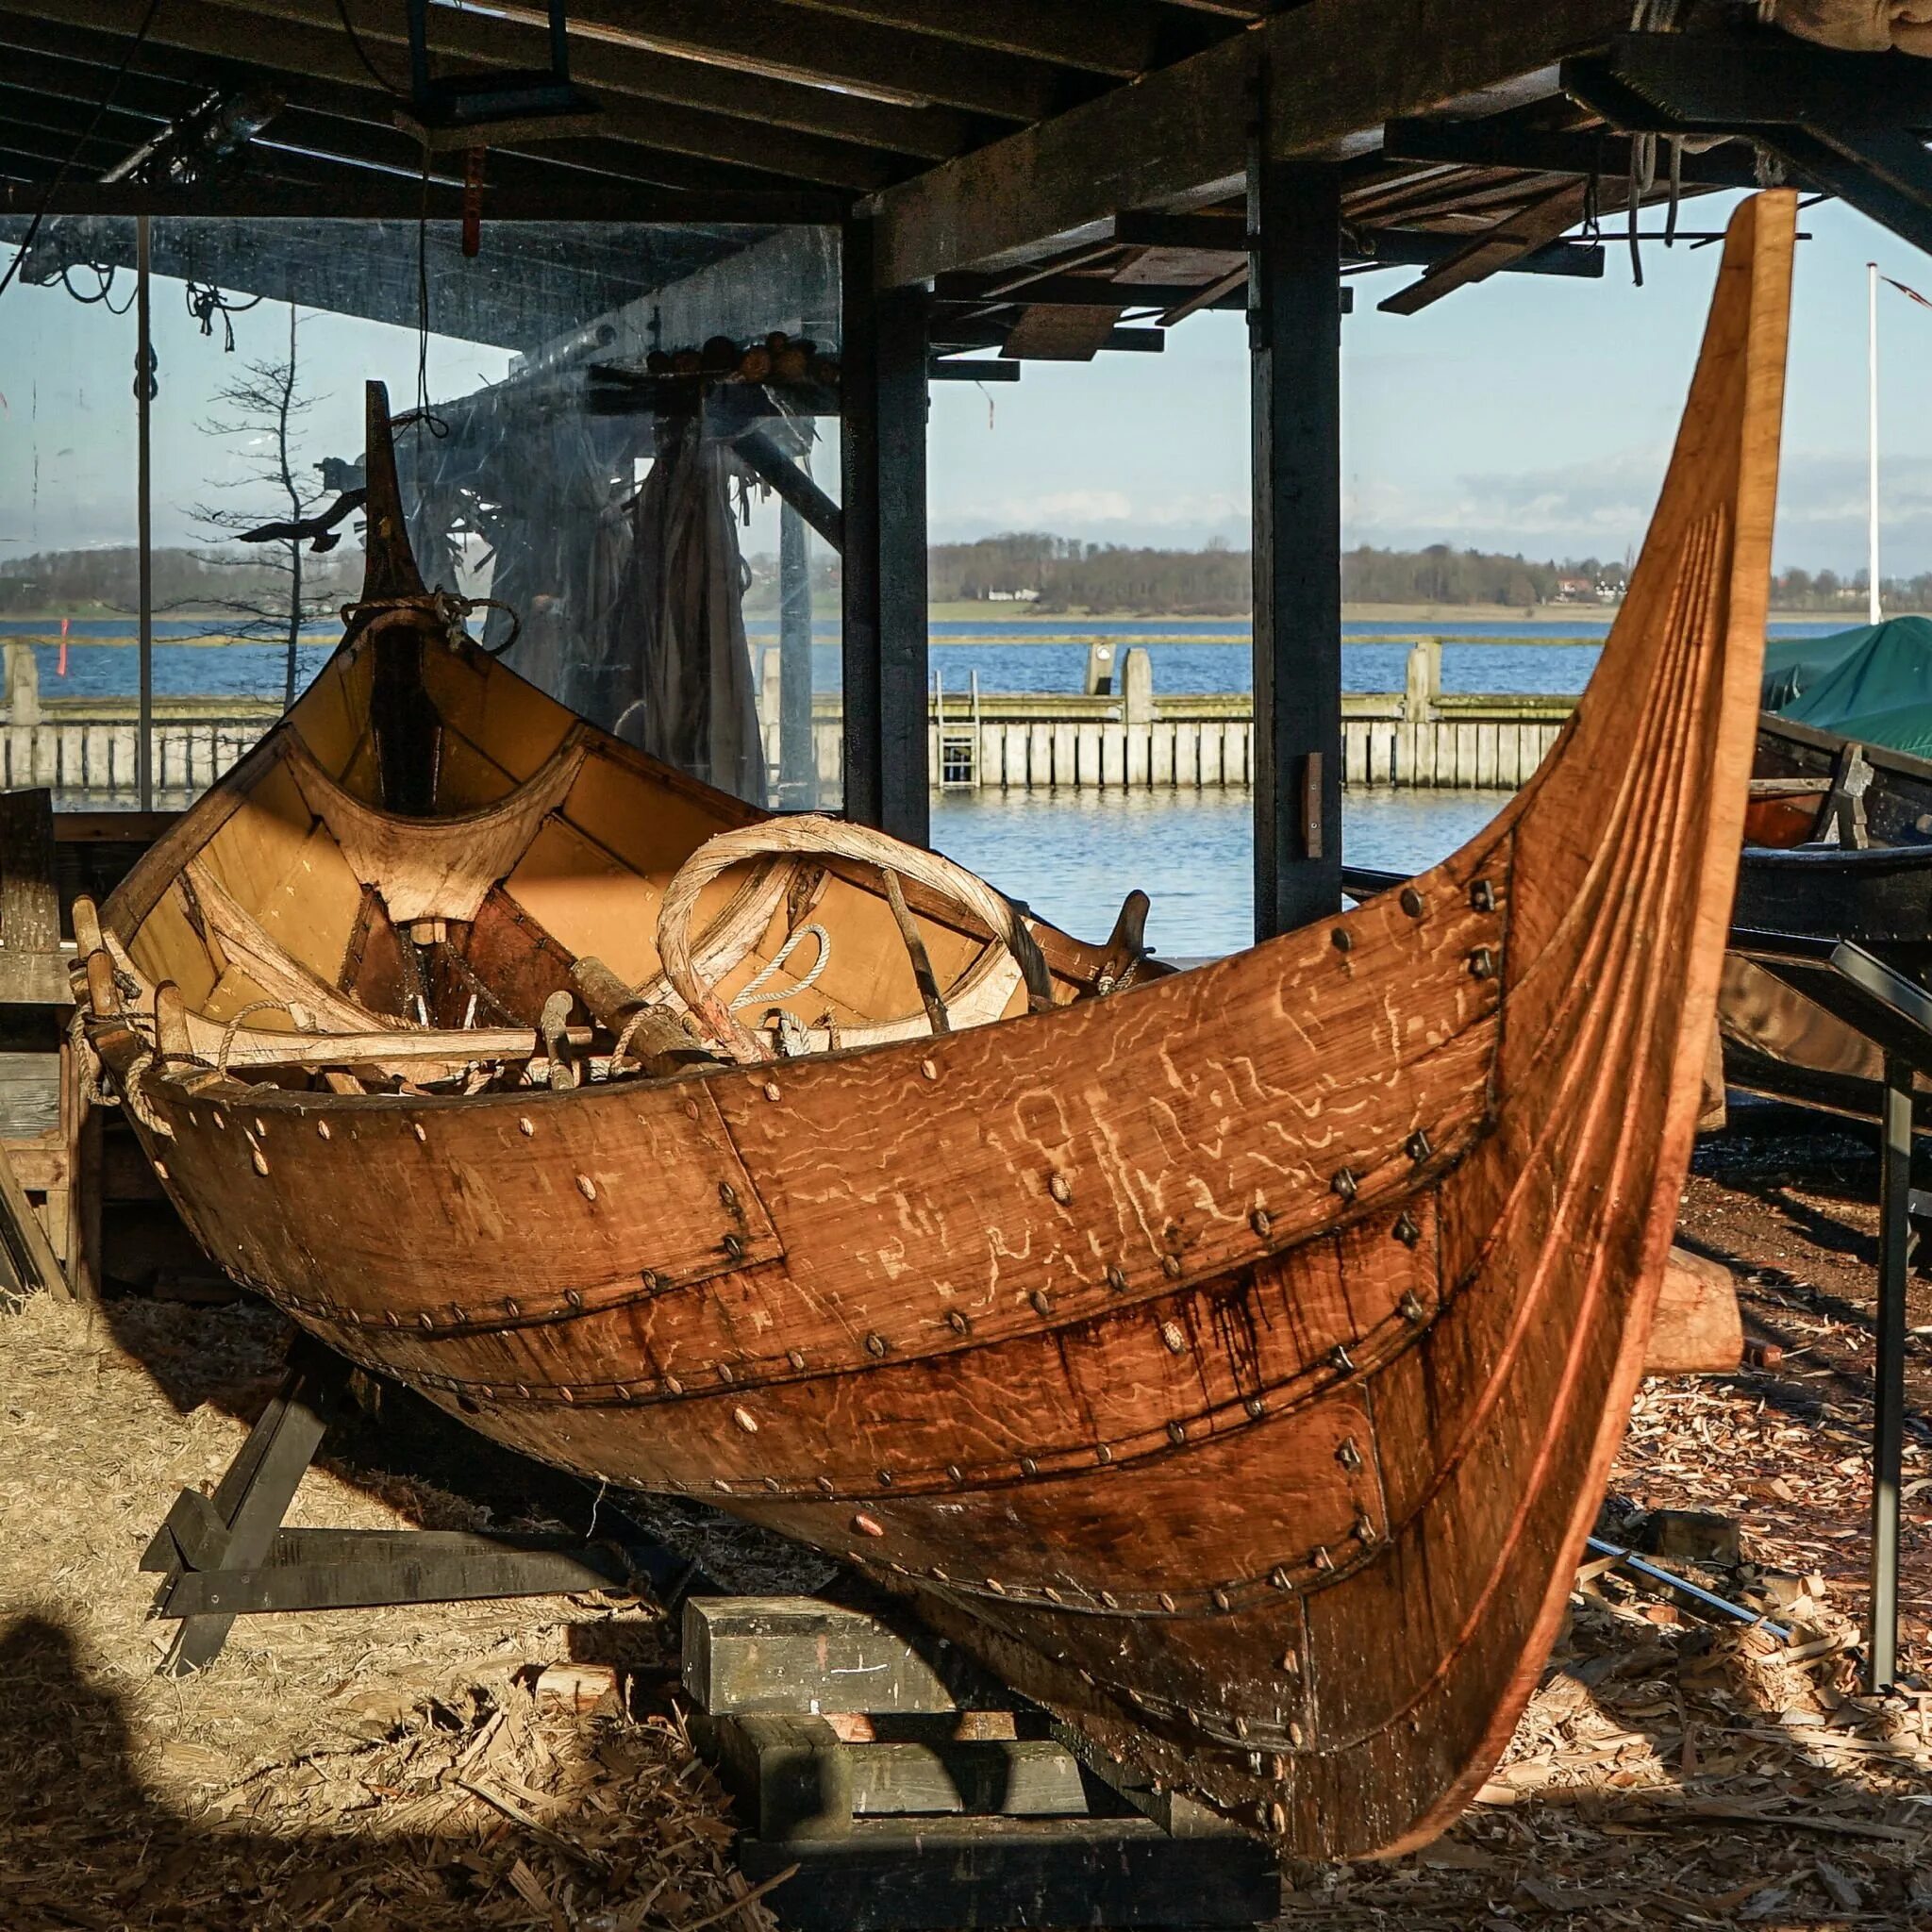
(1215, 658)
(1073, 856)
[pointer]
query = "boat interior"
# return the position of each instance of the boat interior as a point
(431, 871)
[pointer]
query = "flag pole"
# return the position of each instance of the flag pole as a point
(1873, 612)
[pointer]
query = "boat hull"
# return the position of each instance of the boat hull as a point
(1233, 1362)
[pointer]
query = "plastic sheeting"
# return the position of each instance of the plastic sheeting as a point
(678, 622)
(1872, 683)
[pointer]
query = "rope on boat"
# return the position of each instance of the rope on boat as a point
(755, 986)
(87, 1062)
(137, 1103)
(234, 1027)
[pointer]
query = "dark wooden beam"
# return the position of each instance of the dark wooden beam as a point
(1092, 292)
(1226, 235)
(351, 195)
(144, 103)
(667, 126)
(319, 51)
(794, 485)
(976, 368)
(883, 358)
(1342, 68)
(1122, 38)
(759, 37)
(791, 41)
(1499, 142)
(307, 41)
(1295, 344)
(1515, 236)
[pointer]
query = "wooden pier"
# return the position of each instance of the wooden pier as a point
(1131, 740)
(84, 749)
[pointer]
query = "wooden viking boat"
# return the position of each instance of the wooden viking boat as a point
(1232, 1360)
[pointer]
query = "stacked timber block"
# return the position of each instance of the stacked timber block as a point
(911, 1792)
(54, 1154)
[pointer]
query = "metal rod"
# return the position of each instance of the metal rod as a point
(1889, 1390)
(1709, 1600)
(143, 386)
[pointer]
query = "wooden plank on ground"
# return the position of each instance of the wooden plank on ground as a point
(905, 1875)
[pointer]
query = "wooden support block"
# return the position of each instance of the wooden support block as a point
(27, 1264)
(577, 1688)
(32, 969)
(794, 1654)
(796, 1776)
(1698, 1329)
(904, 1875)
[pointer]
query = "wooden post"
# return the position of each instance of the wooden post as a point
(1294, 336)
(883, 443)
(144, 407)
(797, 765)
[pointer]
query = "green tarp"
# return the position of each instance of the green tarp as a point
(1872, 683)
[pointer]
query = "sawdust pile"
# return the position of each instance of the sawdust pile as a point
(390, 1769)
(372, 1768)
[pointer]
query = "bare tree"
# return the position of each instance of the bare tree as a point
(276, 594)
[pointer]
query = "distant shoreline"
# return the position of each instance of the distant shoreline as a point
(996, 615)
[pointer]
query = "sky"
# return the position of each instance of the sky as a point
(1526, 414)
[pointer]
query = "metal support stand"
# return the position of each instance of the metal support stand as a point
(226, 1556)
(1894, 1014)
(1889, 1393)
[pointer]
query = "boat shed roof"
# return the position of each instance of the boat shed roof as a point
(1027, 159)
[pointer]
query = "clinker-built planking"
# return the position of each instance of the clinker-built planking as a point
(1232, 1361)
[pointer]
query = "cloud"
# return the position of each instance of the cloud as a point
(1104, 516)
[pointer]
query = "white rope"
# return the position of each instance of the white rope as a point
(783, 953)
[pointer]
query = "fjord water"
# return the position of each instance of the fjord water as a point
(1073, 856)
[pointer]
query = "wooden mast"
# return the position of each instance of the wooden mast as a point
(389, 567)
(402, 720)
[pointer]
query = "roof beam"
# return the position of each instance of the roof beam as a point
(308, 46)
(1500, 142)
(666, 125)
(931, 133)
(757, 36)
(1340, 69)
(1535, 225)
(1122, 38)
(888, 63)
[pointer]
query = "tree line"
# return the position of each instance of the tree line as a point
(1052, 573)
(1063, 573)
(77, 583)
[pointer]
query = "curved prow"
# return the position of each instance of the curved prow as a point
(389, 570)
